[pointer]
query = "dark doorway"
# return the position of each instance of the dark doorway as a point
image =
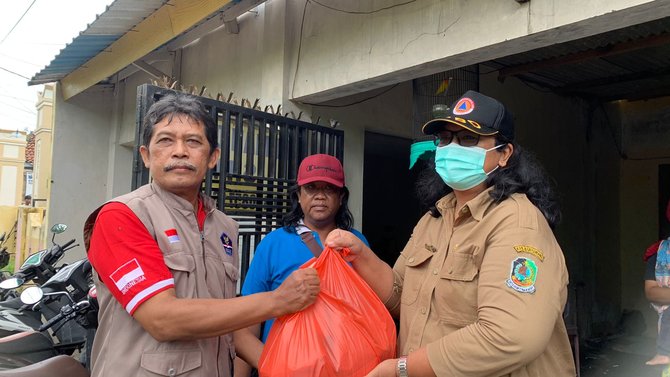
(390, 208)
(663, 199)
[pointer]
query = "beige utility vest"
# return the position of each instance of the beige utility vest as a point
(201, 269)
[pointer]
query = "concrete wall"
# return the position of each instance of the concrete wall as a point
(257, 63)
(376, 47)
(43, 146)
(79, 172)
(12, 159)
(389, 112)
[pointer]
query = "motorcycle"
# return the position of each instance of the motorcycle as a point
(5, 294)
(73, 326)
(39, 355)
(4, 254)
(39, 267)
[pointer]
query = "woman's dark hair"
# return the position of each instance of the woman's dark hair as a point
(523, 174)
(178, 103)
(343, 219)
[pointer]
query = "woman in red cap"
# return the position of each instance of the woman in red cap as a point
(657, 291)
(318, 206)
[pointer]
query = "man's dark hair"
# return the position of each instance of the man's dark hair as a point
(343, 219)
(523, 174)
(179, 104)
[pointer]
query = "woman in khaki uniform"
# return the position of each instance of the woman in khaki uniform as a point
(481, 285)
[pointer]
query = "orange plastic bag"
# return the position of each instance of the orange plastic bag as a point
(346, 332)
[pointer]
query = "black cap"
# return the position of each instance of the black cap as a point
(476, 112)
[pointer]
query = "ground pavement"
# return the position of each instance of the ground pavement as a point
(619, 356)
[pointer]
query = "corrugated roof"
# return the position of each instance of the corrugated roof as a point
(629, 63)
(119, 17)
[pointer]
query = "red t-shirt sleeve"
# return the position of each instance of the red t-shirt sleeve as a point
(127, 258)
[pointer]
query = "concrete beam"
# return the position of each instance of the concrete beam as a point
(151, 70)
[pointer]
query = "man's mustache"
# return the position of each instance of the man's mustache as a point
(179, 165)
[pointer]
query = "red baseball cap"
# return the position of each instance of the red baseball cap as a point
(321, 167)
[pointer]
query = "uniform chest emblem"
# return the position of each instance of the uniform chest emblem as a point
(172, 235)
(227, 244)
(522, 275)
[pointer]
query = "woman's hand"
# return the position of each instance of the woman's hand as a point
(340, 239)
(386, 368)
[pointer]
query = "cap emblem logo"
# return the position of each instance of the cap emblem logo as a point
(464, 106)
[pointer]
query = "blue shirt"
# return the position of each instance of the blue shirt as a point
(276, 256)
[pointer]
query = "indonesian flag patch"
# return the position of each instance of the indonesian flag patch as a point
(128, 275)
(172, 235)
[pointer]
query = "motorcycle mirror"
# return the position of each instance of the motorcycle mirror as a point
(11, 283)
(32, 295)
(58, 228)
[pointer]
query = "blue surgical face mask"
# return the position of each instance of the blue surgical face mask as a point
(462, 168)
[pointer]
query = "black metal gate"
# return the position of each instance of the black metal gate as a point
(260, 153)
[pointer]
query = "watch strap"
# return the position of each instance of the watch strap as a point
(401, 367)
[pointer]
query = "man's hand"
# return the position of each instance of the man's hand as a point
(298, 291)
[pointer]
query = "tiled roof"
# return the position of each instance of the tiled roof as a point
(30, 148)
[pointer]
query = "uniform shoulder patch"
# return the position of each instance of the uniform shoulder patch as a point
(530, 250)
(522, 275)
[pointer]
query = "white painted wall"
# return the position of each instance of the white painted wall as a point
(8, 182)
(342, 52)
(80, 160)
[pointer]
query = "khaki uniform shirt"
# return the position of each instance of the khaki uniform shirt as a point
(201, 269)
(484, 290)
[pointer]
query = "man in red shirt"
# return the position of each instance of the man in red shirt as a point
(166, 261)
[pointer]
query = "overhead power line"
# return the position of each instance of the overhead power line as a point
(17, 22)
(14, 73)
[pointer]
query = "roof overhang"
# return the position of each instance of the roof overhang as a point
(109, 54)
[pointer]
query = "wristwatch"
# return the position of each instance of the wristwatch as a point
(401, 367)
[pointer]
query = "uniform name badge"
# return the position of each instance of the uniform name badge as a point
(522, 275)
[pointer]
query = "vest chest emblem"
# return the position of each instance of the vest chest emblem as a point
(227, 244)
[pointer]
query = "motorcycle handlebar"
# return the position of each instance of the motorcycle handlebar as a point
(68, 243)
(52, 321)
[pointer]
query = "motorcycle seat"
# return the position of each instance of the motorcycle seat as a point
(14, 337)
(59, 366)
(24, 342)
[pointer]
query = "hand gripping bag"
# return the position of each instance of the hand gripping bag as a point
(346, 332)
